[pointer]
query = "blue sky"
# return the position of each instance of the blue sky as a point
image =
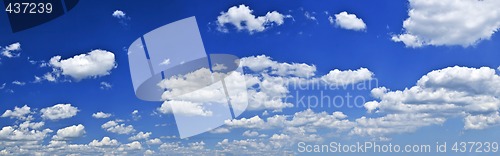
(447, 63)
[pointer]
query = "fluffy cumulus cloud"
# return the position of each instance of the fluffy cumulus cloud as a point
(268, 84)
(243, 18)
(12, 50)
(105, 141)
(302, 126)
(22, 113)
(96, 63)
(116, 127)
(119, 14)
(70, 132)
(101, 115)
(140, 136)
(338, 77)
(59, 111)
(470, 93)
(348, 21)
(12, 135)
(449, 22)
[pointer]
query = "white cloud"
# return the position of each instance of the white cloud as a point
(106, 141)
(59, 111)
(119, 14)
(115, 127)
(149, 152)
(449, 22)
(470, 93)
(310, 16)
(408, 39)
(481, 121)
(253, 122)
(268, 85)
(106, 85)
(19, 83)
(338, 77)
(306, 118)
(394, 124)
(184, 108)
(70, 132)
(22, 113)
(165, 62)
(31, 125)
(140, 136)
(10, 49)
(242, 18)
(371, 106)
(101, 115)
(96, 63)
(176, 148)
(24, 132)
(348, 21)
(264, 64)
(154, 141)
(131, 146)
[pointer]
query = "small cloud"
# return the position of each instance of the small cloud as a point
(348, 21)
(243, 18)
(122, 17)
(101, 115)
(119, 14)
(19, 83)
(165, 62)
(10, 50)
(135, 115)
(106, 85)
(310, 16)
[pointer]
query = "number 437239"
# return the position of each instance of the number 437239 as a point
(29, 8)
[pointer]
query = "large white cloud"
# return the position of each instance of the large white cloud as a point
(470, 93)
(70, 132)
(94, 64)
(449, 22)
(268, 84)
(348, 21)
(59, 111)
(243, 19)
